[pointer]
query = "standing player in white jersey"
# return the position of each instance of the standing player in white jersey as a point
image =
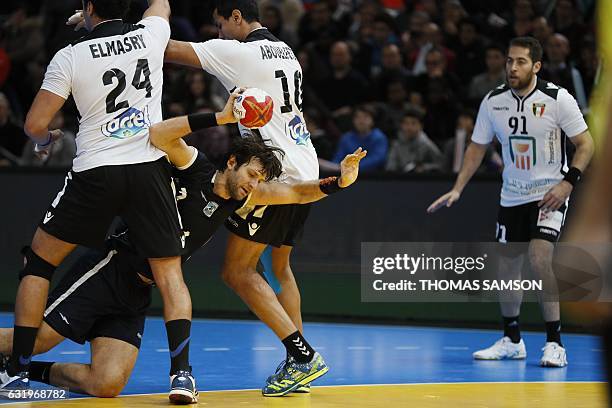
(248, 55)
(115, 75)
(532, 119)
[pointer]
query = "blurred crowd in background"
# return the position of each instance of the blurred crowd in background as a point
(401, 78)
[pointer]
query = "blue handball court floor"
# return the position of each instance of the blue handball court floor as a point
(234, 355)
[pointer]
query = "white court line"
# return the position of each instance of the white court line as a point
(74, 352)
(454, 348)
(162, 350)
(216, 349)
(359, 347)
(408, 348)
(264, 348)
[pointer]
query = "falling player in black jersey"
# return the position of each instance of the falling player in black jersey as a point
(104, 298)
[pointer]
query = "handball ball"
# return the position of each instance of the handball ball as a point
(253, 108)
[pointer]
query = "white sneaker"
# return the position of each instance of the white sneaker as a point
(503, 349)
(554, 355)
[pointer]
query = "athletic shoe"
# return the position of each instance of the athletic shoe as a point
(503, 349)
(302, 389)
(183, 388)
(19, 381)
(554, 355)
(292, 375)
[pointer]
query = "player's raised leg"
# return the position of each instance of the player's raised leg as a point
(305, 364)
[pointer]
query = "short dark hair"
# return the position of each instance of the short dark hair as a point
(495, 47)
(413, 113)
(109, 9)
(367, 109)
(533, 45)
(245, 149)
(248, 9)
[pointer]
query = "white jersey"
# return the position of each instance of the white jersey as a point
(265, 62)
(533, 134)
(115, 75)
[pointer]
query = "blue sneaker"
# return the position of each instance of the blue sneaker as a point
(19, 381)
(302, 389)
(183, 388)
(292, 375)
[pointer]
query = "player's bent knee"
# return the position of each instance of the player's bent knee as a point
(36, 266)
(107, 386)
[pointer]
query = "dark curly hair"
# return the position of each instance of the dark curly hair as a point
(248, 8)
(109, 9)
(245, 149)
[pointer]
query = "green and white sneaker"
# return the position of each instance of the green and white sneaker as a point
(292, 375)
(302, 389)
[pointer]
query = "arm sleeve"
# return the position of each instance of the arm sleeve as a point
(58, 78)
(158, 28)
(571, 120)
(219, 58)
(483, 130)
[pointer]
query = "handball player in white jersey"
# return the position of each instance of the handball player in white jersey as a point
(533, 119)
(114, 74)
(248, 55)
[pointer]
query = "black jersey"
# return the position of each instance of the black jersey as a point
(202, 212)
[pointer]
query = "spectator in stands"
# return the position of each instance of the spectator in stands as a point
(494, 76)
(323, 141)
(364, 135)
(62, 152)
(392, 69)
(345, 87)
(470, 51)
(413, 151)
(430, 38)
(588, 64)
(453, 12)
(454, 149)
(291, 12)
(12, 138)
(567, 21)
(560, 71)
(542, 29)
(271, 18)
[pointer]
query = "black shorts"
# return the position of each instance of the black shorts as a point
(142, 194)
(275, 225)
(100, 296)
(523, 223)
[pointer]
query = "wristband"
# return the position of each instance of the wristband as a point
(47, 143)
(329, 185)
(198, 121)
(573, 176)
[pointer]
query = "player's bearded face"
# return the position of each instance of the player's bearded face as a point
(520, 69)
(244, 179)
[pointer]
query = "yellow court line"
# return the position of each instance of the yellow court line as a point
(448, 395)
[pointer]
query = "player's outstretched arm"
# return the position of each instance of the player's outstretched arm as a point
(167, 135)
(159, 8)
(274, 193)
(182, 53)
(471, 161)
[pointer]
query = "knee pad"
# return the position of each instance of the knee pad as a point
(35, 265)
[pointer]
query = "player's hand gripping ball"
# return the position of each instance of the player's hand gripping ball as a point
(253, 108)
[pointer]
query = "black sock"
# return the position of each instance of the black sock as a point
(41, 371)
(23, 347)
(553, 332)
(512, 329)
(298, 348)
(178, 340)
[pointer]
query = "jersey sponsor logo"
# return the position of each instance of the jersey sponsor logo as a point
(64, 318)
(523, 151)
(128, 124)
(550, 219)
(210, 208)
(232, 222)
(253, 228)
(48, 217)
(538, 109)
(296, 128)
(501, 108)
